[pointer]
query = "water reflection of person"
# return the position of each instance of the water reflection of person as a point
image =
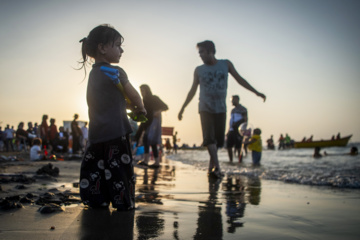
(149, 193)
(254, 189)
(149, 224)
(106, 224)
(209, 224)
(235, 201)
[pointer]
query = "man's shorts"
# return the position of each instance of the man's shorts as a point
(233, 139)
(213, 128)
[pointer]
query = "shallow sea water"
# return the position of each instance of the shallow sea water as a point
(290, 196)
(336, 169)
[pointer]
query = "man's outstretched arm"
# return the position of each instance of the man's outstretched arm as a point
(190, 95)
(242, 81)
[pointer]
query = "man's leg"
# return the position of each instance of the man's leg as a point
(230, 144)
(214, 161)
(219, 128)
(230, 154)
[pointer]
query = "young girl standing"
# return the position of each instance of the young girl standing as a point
(107, 173)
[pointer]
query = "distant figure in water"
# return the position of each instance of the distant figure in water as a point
(237, 117)
(354, 151)
(270, 143)
(255, 145)
(281, 142)
(317, 153)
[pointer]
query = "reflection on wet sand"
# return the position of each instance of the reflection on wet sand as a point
(254, 189)
(150, 224)
(234, 191)
(209, 225)
(106, 224)
(153, 217)
(239, 191)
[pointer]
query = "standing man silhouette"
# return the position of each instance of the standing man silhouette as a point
(238, 116)
(212, 77)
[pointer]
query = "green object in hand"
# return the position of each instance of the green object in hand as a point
(140, 117)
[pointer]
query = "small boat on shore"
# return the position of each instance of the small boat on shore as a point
(342, 142)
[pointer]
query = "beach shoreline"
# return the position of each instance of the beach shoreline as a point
(179, 201)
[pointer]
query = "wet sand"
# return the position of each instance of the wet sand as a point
(178, 201)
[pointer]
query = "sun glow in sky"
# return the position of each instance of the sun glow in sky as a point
(303, 55)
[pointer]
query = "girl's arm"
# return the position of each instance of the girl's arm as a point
(134, 97)
(131, 93)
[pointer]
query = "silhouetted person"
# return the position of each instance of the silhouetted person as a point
(212, 78)
(152, 127)
(237, 117)
(317, 153)
(44, 131)
(354, 151)
(270, 143)
(76, 134)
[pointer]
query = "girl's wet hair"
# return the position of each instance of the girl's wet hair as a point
(102, 34)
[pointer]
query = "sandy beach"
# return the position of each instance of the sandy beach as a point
(179, 201)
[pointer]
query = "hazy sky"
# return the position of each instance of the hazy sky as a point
(303, 55)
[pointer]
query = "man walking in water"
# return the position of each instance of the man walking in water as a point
(212, 77)
(237, 117)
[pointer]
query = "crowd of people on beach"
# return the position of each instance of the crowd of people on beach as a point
(47, 138)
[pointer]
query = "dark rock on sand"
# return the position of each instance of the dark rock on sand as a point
(50, 208)
(49, 170)
(26, 200)
(48, 197)
(57, 197)
(50, 200)
(20, 187)
(15, 201)
(20, 178)
(6, 204)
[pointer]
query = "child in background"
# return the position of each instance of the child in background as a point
(107, 172)
(255, 145)
(35, 150)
